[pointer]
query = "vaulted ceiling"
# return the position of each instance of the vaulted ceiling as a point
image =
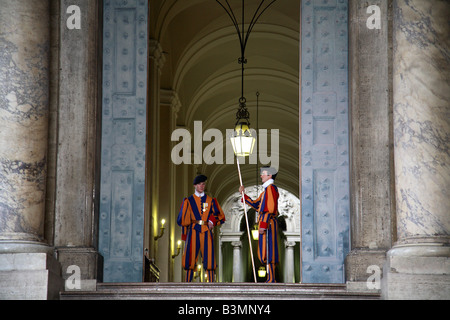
(202, 50)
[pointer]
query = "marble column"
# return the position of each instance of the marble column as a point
(24, 103)
(28, 269)
(289, 262)
(237, 261)
(418, 265)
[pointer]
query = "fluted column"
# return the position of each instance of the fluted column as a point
(418, 264)
(170, 106)
(24, 104)
(156, 63)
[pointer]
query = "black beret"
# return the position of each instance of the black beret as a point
(199, 179)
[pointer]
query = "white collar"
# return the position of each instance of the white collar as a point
(200, 195)
(268, 183)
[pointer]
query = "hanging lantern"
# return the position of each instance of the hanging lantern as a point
(242, 140)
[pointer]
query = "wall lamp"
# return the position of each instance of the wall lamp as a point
(161, 233)
(178, 250)
(198, 273)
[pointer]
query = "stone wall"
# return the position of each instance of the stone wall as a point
(373, 206)
(74, 145)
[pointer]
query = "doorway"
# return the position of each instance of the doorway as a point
(202, 77)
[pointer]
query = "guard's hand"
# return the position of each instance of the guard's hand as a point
(210, 225)
(261, 231)
(241, 189)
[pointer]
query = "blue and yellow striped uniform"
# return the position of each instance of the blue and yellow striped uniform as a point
(267, 206)
(194, 215)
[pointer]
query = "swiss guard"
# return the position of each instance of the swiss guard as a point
(267, 207)
(198, 216)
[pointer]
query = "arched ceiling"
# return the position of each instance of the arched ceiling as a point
(202, 51)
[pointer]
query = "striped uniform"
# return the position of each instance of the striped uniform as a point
(194, 215)
(267, 206)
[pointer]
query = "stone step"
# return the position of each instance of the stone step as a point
(218, 291)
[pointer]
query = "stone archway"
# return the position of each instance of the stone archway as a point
(234, 265)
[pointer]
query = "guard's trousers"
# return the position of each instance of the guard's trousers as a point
(196, 243)
(268, 242)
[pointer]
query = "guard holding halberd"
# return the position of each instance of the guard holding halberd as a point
(267, 207)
